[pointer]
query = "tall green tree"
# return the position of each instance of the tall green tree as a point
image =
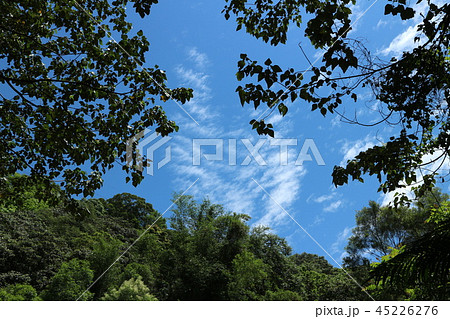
(26, 240)
(379, 229)
(313, 278)
(70, 282)
(423, 264)
(130, 290)
(272, 250)
(134, 209)
(248, 277)
(18, 292)
(104, 251)
(75, 86)
(203, 243)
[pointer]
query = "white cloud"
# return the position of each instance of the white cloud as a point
(198, 106)
(356, 16)
(336, 121)
(405, 40)
(192, 78)
(317, 220)
(275, 119)
(341, 240)
(351, 149)
(388, 198)
(438, 162)
(325, 198)
(402, 42)
(332, 207)
(200, 59)
(283, 183)
(232, 185)
(381, 23)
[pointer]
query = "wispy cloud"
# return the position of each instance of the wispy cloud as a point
(330, 203)
(201, 60)
(198, 105)
(438, 162)
(232, 184)
(405, 40)
(196, 79)
(381, 23)
(402, 42)
(284, 185)
(352, 148)
(341, 241)
(334, 206)
(325, 198)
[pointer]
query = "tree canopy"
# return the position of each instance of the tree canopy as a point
(203, 252)
(75, 87)
(412, 88)
(401, 253)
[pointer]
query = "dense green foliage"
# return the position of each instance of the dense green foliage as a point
(404, 248)
(422, 265)
(379, 229)
(204, 253)
(413, 90)
(70, 281)
(18, 292)
(130, 290)
(74, 89)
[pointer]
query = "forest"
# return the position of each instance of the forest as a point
(122, 249)
(77, 94)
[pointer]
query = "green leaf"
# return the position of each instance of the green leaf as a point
(388, 9)
(282, 109)
(323, 111)
(406, 14)
(276, 68)
(242, 96)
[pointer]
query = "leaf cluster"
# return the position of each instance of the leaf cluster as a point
(74, 88)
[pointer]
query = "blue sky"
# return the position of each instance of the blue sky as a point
(198, 48)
